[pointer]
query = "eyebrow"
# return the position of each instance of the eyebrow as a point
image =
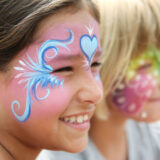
(69, 56)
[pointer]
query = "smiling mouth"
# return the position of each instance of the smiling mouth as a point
(79, 122)
(79, 119)
(154, 99)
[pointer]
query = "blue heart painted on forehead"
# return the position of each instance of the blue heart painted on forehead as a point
(88, 46)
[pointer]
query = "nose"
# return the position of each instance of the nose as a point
(90, 91)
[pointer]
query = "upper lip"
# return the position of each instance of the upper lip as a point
(154, 99)
(89, 113)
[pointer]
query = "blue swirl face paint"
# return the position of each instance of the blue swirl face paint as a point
(39, 74)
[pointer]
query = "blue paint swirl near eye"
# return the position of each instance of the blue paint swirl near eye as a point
(39, 74)
(97, 78)
(88, 46)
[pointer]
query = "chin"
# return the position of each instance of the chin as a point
(76, 146)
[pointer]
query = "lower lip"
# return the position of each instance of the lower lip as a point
(79, 126)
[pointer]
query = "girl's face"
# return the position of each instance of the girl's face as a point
(54, 85)
(138, 96)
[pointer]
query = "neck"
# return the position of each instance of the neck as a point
(109, 136)
(13, 149)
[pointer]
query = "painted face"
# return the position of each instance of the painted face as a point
(55, 82)
(141, 80)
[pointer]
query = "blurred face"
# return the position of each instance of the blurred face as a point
(138, 96)
(53, 86)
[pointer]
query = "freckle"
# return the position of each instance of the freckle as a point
(132, 107)
(121, 100)
(138, 77)
(148, 93)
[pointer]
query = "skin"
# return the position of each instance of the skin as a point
(78, 95)
(110, 135)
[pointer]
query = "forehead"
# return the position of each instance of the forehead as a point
(55, 27)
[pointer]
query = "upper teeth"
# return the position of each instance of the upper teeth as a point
(76, 119)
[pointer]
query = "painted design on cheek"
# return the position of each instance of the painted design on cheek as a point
(142, 77)
(39, 74)
(89, 44)
(131, 98)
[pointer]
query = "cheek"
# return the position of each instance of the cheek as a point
(49, 102)
(99, 82)
(131, 98)
(55, 104)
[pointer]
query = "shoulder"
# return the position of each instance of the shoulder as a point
(137, 128)
(91, 152)
(141, 141)
(59, 155)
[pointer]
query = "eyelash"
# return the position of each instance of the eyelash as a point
(96, 64)
(68, 69)
(144, 67)
(64, 69)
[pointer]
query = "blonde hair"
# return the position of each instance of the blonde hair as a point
(127, 27)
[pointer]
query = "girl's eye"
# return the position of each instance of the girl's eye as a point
(145, 66)
(64, 69)
(96, 64)
(95, 67)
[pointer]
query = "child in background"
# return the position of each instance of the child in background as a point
(130, 29)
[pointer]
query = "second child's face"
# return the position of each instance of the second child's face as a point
(138, 96)
(54, 84)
